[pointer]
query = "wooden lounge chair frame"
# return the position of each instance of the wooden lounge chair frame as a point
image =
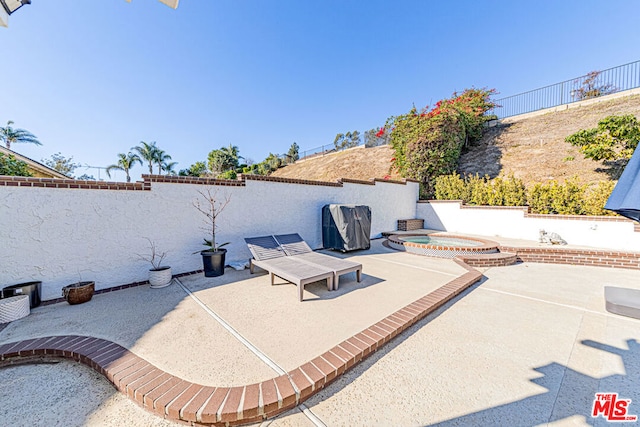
(268, 255)
(295, 247)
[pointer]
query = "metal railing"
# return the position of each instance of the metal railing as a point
(592, 85)
(317, 151)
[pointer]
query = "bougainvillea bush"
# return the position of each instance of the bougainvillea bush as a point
(428, 143)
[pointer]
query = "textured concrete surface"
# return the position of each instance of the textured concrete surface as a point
(163, 326)
(530, 345)
(499, 357)
(47, 395)
(292, 332)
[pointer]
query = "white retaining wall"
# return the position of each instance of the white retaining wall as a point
(514, 222)
(60, 236)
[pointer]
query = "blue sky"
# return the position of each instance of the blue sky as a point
(93, 78)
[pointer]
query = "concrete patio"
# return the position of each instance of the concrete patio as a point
(529, 345)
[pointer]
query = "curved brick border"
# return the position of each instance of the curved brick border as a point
(179, 400)
(485, 246)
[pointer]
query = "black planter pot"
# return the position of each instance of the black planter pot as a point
(213, 262)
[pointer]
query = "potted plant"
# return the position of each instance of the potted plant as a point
(159, 275)
(213, 258)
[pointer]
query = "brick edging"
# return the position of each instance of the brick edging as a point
(176, 399)
(120, 287)
(573, 256)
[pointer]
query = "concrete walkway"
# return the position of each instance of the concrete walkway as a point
(527, 346)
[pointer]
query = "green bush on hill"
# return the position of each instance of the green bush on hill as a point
(428, 143)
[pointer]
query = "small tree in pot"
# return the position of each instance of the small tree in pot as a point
(213, 258)
(160, 275)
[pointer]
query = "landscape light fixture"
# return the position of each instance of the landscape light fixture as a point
(11, 6)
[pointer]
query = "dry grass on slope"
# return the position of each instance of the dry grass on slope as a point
(355, 163)
(533, 148)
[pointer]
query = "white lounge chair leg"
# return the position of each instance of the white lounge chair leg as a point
(272, 275)
(330, 282)
(301, 291)
(251, 266)
(336, 282)
(359, 275)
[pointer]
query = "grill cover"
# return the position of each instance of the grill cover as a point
(346, 227)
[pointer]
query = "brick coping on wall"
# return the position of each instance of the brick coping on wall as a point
(147, 180)
(179, 400)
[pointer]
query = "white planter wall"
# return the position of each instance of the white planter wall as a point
(600, 232)
(60, 236)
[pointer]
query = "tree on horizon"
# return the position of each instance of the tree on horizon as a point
(147, 152)
(9, 136)
(125, 163)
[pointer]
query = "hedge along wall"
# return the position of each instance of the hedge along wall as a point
(611, 232)
(62, 231)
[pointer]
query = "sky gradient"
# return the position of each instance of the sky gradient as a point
(93, 78)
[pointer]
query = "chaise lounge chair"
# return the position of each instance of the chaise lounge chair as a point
(295, 247)
(268, 255)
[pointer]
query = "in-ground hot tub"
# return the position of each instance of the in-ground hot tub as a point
(443, 246)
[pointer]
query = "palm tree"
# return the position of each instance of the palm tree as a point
(10, 135)
(125, 163)
(147, 152)
(161, 158)
(168, 168)
(232, 153)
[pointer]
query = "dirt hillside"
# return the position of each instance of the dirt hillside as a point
(356, 163)
(532, 149)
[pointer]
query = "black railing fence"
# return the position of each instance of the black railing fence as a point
(317, 151)
(592, 85)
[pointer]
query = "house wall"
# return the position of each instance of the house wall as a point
(62, 231)
(516, 222)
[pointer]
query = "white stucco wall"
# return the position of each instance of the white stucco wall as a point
(60, 236)
(515, 223)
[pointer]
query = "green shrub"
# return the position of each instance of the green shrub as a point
(11, 166)
(539, 198)
(596, 197)
(451, 187)
(570, 198)
(428, 143)
(230, 174)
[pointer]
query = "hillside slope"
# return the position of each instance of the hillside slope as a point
(356, 163)
(532, 149)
